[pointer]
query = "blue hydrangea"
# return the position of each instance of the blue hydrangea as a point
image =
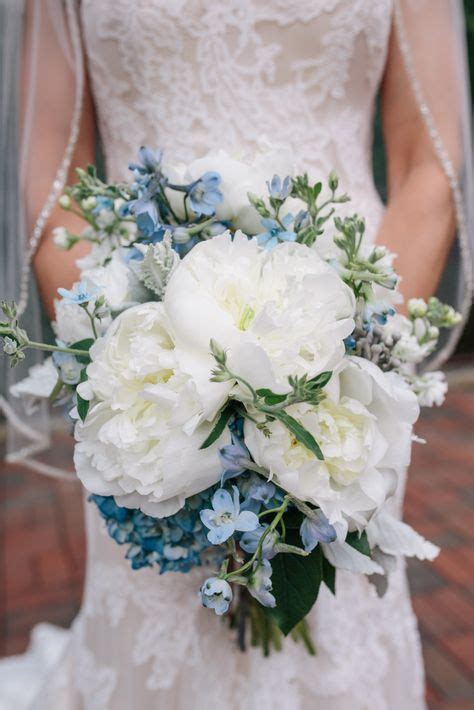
(176, 543)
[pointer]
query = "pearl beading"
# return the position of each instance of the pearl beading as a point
(62, 173)
(448, 169)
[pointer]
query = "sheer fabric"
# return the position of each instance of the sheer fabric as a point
(46, 66)
(192, 77)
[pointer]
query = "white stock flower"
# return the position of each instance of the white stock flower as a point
(407, 349)
(276, 313)
(140, 440)
(430, 388)
(364, 430)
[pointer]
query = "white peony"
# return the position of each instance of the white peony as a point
(364, 430)
(239, 177)
(276, 313)
(140, 440)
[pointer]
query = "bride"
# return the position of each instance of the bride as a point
(191, 77)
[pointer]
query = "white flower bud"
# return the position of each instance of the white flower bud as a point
(433, 332)
(417, 307)
(65, 202)
(419, 328)
(61, 238)
(88, 203)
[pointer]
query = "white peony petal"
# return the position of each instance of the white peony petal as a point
(395, 537)
(344, 556)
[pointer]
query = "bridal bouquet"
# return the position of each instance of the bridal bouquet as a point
(243, 390)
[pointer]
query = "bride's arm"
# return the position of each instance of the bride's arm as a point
(47, 97)
(419, 223)
(55, 267)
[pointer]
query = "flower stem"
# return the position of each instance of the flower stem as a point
(55, 348)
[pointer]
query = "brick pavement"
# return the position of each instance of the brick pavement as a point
(42, 552)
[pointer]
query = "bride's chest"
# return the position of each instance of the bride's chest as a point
(312, 44)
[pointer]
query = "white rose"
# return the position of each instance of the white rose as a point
(364, 430)
(277, 313)
(140, 440)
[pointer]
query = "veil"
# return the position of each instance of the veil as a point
(45, 35)
(41, 60)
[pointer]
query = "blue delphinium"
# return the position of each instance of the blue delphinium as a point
(260, 584)
(276, 232)
(149, 162)
(225, 517)
(234, 458)
(204, 194)
(216, 594)
(249, 542)
(316, 528)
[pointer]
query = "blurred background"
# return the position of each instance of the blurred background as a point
(42, 547)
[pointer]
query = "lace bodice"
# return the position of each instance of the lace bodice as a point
(193, 76)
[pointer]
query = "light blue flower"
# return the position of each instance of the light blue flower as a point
(249, 542)
(276, 232)
(279, 190)
(260, 584)
(149, 161)
(216, 594)
(80, 294)
(225, 517)
(316, 528)
(69, 368)
(261, 490)
(204, 194)
(103, 203)
(234, 458)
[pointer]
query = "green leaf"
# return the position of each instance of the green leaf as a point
(322, 379)
(359, 542)
(329, 575)
(82, 404)
(295, 584)
(300, 433)
(271, 397)
(219, 426)
(85, 345)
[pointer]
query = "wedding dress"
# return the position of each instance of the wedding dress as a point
(192, 76)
